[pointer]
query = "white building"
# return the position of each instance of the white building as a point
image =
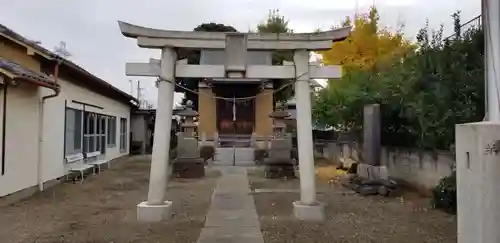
(81, 113)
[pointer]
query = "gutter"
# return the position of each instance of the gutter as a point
(57, 90)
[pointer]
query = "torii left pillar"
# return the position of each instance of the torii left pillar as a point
(156, 208)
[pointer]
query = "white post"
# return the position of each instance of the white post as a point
(478, 180)
(308, 208)
(491, 25)
(477, 149)
(156, 208)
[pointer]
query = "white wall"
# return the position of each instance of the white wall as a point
(54, 119)
(21, 138)
(23, 132)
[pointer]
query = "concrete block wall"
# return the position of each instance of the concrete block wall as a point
(421, 169)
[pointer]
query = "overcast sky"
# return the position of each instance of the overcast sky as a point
(90, 29)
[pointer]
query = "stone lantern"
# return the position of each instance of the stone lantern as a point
(279, 116)
(188, 163)
(188, 127)
(279, 162)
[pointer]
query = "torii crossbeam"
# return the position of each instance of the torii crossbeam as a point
(236, 46)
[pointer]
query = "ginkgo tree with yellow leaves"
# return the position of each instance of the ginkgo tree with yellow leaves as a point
(368, 44)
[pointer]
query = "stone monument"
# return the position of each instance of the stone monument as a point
(372, 178)
(188, 163)
(279, 162)
(370, 168)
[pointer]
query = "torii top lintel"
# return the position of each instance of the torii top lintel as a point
(157, 38)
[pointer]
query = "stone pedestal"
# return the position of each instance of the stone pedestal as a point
(478, 182)
(188, 163)
(154, 213)
(371, 172)
(279, 163)
(189, 168)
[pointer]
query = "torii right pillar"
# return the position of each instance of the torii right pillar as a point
(308, 208)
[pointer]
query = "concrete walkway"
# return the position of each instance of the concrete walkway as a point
(232, 216)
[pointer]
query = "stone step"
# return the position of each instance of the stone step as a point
(228, 218)
(232, 216)
(235, 233)
(232, 239)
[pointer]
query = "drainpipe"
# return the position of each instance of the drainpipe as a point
(40, 123)
(4, 122)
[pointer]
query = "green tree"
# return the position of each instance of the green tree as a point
(422, 95)
(193, 57)
(276, 23)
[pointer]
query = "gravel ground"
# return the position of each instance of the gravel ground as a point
(350, 218)
(103, 209)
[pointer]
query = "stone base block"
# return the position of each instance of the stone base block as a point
(189, 168)
(304, 212)
(154, 213)
(273, 171)
(371, 172)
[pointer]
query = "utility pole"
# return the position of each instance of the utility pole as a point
(138, 89)
(139, 92)
(131, 87)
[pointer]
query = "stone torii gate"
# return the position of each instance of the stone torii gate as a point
(236, 46)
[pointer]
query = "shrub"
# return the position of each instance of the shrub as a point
(444, 195)
(207, 152)
(260, 155)
(172, 155)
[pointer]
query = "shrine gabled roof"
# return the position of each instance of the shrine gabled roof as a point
(15, 71)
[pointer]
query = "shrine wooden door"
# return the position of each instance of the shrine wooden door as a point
(235, 116)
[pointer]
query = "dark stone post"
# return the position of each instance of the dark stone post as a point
(371, 135)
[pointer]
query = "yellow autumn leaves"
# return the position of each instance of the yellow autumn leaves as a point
(368, 44)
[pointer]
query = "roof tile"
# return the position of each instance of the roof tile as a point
(20, 71)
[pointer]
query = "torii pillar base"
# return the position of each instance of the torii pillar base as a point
(313, 212)
(154, 213)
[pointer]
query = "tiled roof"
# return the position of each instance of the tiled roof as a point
(20, 72)
(64, 62)
(12, 34)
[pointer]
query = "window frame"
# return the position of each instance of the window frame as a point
(123, 134)
(111, 131)
(76, 148)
